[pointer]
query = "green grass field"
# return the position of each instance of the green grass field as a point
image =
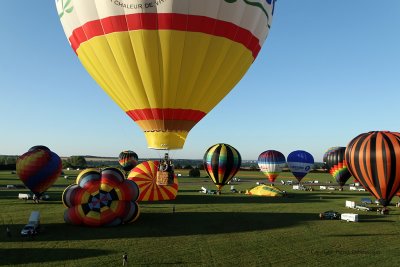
(206, 230)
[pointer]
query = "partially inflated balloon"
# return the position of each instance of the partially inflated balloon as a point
(145, 176)
(38, 169)
(300, 163)
(128, 160)
(338, 166)
(101, 198)
(221, 162)
(271, 163)
(166, 63)
(374, 160)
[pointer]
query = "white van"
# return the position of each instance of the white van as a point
(33, 226)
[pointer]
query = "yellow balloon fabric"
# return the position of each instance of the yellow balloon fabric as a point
(265, 190)
(166, 63)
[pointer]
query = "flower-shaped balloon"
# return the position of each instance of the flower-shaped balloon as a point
(103, 198)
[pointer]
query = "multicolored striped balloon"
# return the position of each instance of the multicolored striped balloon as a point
(145, 176)
(103, 198)
(166, 63)
(38, 169)
(221, 162)
(128, 160)
(338, 166)
(300, 163)
(271, 163)
(374, 160)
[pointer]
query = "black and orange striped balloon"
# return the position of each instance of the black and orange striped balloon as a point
(374, 160)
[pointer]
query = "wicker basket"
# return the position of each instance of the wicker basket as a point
(165, 178)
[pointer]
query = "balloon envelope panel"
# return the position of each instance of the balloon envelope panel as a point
(327, 152)
(167, 63)
(145, 176)
(221, 162)
(101, 199)
(39, 168)
(271, 163)
(374, 160)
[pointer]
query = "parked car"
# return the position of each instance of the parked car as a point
(33, 225)
(30, 229)
(329, 215)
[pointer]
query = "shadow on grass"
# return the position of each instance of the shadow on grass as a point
(232, 198)
(15, 256)
(178, 224)
(360, 235)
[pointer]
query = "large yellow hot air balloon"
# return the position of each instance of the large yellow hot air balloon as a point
(166, 63)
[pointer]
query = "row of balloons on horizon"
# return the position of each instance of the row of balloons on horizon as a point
(107, 197)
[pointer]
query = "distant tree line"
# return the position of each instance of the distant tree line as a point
(74, 162)
(8, 162)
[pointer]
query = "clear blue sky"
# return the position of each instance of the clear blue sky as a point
(328, 71)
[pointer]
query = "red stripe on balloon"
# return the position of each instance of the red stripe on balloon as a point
(166, 114)
(165, 21)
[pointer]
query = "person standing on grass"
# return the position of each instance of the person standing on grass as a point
(8, 232)
(125, 259)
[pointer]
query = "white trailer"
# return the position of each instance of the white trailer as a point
(349, 217)
(24, 196)
(299, 187)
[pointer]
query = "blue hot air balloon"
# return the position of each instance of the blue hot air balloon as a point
(300, 163)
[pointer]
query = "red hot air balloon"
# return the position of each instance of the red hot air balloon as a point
(38, 169)
(374, 160)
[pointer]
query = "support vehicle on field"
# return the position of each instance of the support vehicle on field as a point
(33, 226)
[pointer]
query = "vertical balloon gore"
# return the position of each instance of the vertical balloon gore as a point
(326, 154)
(169, 64)
(374, 160)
